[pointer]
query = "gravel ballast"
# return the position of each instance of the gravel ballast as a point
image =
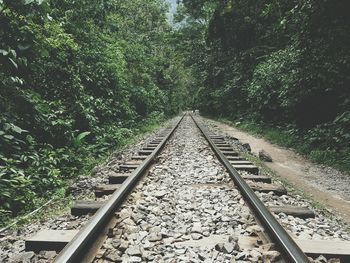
(186, 209)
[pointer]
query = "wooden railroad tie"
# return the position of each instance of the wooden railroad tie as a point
(216, 137)
(235, 158)
(145, 152)
(139, 157)
(127, 167)
(105, 189)
(49, 240)
(149, 148)
(118, 178)
(84, 207)
(230, 153)
(241, 162)
(266, 188)
(221, 145)
(258, 178)
(224, 148)
(296, 211)
(246, 167)
(152, 144)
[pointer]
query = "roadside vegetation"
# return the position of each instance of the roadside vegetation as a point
(280, 68)
(289, 139)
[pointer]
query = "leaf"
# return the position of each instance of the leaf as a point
(6, 204)
(3, 52)
(77, 141)
(13, 63)
(13, 52)
(7, 126)
(18, 129)
(9, 137)
(83, 135)
(23, 47)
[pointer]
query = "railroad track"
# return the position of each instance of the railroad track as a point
(129, 226)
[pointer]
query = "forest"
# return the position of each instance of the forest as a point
(82, 78)
(276, 68)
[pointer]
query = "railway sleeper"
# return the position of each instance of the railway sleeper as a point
(266, 188)
(312, 248)
(149, 148)
(131, 162)
(235, 158)
(127, 167)
(258, 178)
(296, 211)
(84, 207)
(152, 145)
(105, 189)
(221, 148)
(49, 240)
(145, 152)
(216, 138)
(118, 178)
(222, 144)
(219, 141)
(241, 162)
(230, 153)
(56, 240)
(139, 157)
(156, 142)
(246, 167)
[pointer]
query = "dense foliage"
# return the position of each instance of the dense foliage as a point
(78, 78)
(282, 65)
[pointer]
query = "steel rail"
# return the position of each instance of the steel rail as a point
(276, 232)
(74, 251)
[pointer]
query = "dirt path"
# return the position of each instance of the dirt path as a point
(326, 185)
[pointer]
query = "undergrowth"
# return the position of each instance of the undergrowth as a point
(43, 172)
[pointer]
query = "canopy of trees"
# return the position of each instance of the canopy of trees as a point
(278, 63)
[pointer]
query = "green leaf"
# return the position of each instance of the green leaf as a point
(77, 141)
(3, 52)
(7, 126)
(13, 63)
(23, 47)
(9, 137)
(13, 52)
(18, 129)
(6, 204)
